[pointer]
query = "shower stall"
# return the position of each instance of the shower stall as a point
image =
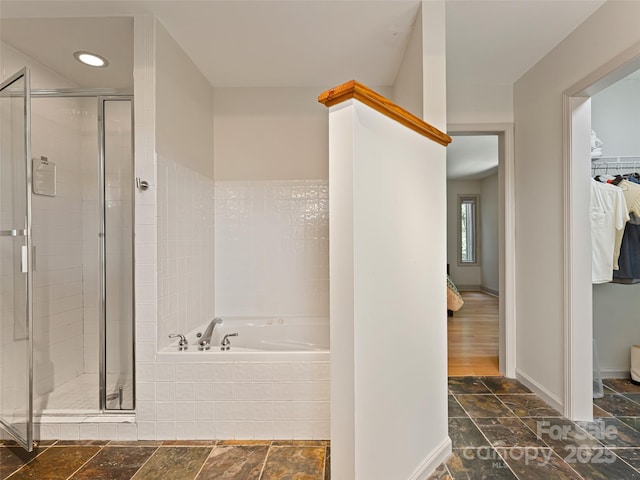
(66, 253)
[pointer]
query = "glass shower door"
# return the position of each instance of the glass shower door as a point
(16, 349)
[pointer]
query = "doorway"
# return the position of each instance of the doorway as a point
(579, 311)
(504, 304)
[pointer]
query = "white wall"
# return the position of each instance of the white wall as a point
(408, 85)
(364, 379)
(471, 103)
(270, 134)
(489, 231)
(462, 275)
(615, 117)
(377, 250)
(615, 326)
(539, 216)
(184, 103)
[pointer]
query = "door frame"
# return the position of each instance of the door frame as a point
(507, 235)
(28, 442)
(578, 308)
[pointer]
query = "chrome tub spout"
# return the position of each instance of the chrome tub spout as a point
(205, 339)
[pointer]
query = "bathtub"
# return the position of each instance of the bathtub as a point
(273, 383)
(269, 339)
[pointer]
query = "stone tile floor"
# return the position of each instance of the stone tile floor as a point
(500, 430)
(175, 460)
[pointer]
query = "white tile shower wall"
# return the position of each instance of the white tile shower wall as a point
(185, 249)
(57, 235)
(234, 400)
(90, 239)
(272, 248)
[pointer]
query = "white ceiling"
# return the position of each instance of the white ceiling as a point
(323, 43)
(52, 42)
(472, 157)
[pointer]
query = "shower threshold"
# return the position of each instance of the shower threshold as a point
(77, 397)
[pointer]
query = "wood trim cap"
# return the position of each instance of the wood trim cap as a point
(364, 94)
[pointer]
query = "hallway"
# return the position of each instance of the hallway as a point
(473, 336)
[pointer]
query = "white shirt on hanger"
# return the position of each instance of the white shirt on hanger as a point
(609, 214)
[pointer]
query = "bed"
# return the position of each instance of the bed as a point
(454, 299)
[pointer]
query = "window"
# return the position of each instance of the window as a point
(468, 233)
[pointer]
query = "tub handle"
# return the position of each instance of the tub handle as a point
(226, 344)
(182, 343)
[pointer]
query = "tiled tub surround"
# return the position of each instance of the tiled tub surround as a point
(185, 202)
(272, 248)
(271, 261)
(234, 400)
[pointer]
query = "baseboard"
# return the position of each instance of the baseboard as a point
(469, 288)
(490, 291)
(612, 373)
(542, 392)
(433, 461)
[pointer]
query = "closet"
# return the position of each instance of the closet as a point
(615, 121)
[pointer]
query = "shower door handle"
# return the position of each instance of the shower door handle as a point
(13, 233)
(24, 259)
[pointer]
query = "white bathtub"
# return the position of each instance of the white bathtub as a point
(274, 383)
(259, 339)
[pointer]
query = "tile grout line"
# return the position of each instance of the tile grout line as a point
(527, 426)
(264, 462)
(324, 464)
(485, 436)
(145, 462)
(205, 461)
(87, 461)
(622, 459)
(482, 433)
(22, 466)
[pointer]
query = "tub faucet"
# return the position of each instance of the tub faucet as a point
(205, 340)
(226, 344)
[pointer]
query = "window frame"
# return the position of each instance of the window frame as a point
(475, 200)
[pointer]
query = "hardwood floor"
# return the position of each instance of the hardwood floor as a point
(473, 336)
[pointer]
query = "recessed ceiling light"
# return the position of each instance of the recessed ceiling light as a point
(91, 59)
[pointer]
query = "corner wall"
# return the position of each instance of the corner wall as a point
(184, 149)
(539, 185)
(408, 85)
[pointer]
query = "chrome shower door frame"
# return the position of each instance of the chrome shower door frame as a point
(17, 418)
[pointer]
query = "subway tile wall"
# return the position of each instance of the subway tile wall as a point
(272, 248)
(185, 249)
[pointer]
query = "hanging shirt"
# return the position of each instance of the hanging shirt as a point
(631, 192)
(608, 217)
(629, 259)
